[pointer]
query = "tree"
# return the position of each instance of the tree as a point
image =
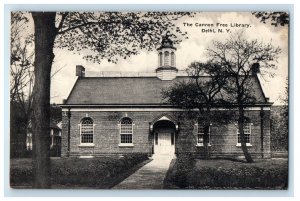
(280, 123)
(225, 81)
(241, 60)
(109, 35)
(277, 18)
(201, 91)
(21, 82)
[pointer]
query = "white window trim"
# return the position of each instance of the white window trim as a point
(85, 144)
(202, 144)
(125, 144)
(238, 144)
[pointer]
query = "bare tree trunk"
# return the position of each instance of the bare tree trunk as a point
(242, 135)
(45, 32)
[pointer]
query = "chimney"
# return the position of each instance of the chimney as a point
(80, 71)
(255, 68)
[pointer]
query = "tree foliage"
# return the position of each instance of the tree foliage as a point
(280, 123)
(276, 18)
(241, 59)
(279, 128)
(115, 35)
(202, 91)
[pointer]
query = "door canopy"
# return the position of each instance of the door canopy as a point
(163, 118)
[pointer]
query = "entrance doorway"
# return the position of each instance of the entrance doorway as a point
(164, 138)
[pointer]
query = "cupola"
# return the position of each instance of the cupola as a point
(166, 60)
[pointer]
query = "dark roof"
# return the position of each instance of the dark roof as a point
(129, 90)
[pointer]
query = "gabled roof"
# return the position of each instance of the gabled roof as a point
(130, 90)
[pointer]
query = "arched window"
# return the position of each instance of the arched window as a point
(160, 59)
(126, 131)
(86, 130)
(167, 58)
(172, 59)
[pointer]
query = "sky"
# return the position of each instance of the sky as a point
(191, 49)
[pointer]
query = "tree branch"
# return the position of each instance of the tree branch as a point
(63, 17)
(75, 27)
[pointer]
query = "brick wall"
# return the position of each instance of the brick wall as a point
(106, 134)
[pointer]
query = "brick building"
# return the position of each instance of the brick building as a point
(125, 113)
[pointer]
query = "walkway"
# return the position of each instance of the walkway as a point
(150, 176)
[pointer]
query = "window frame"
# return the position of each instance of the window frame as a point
(161, 61)
(248, 144)
(167, 58)
(198, 144)
(86, 144)
(124, 144)
(173, 59)
(29, 141)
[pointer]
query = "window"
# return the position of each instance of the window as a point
(57, 141)
(247, 133)
(167, 58)
(200, 135)
(160, 59)
(29, 141)
(87, 130)
(126, 131)
(172, 59)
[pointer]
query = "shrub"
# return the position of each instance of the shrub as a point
(219, 174)
(182, 169)
(21, 175)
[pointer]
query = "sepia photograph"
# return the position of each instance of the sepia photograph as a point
(149, 100)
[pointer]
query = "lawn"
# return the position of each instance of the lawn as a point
(99, 172)
(228, 174)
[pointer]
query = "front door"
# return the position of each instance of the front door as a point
(164, 143)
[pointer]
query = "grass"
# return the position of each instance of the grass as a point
(100, 172)
(228, 174)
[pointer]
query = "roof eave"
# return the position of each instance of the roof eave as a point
(268, 104)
